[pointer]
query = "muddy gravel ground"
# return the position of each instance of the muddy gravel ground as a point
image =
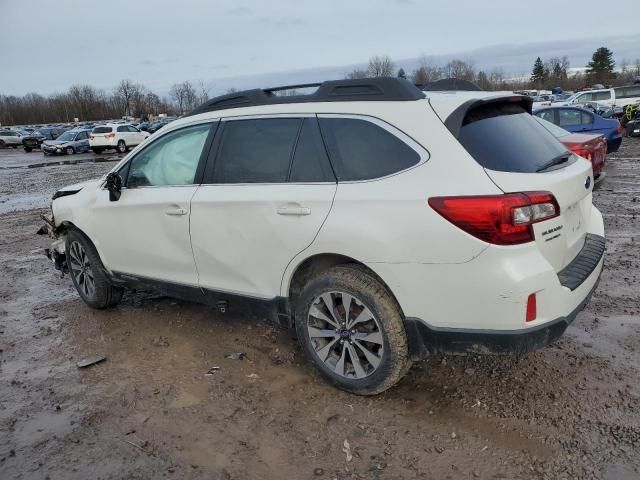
(151, 411)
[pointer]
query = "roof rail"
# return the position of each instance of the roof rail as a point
(365, 89)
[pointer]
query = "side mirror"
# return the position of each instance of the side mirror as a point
(114, 185)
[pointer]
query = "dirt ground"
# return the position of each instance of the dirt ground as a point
(151, 411)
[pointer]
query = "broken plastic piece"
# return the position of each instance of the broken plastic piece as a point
(92, 360)
(212, 370)
(236, 355)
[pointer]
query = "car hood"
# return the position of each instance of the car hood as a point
(56, 142)
(79, 186)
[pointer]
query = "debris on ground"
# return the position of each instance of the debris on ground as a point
(212, 370)
(236, 355)
(160, 341)
(92, 360)
(346, 448)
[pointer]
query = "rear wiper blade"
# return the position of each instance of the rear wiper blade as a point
(555, 161)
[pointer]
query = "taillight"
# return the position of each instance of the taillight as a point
(110, 135)
(91, 137)
(619, 128)
(499, 219)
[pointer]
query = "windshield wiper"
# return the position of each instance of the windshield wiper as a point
(562, 158)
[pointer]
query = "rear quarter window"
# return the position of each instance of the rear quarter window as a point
(506, 138)
(361, 150)
(102, 130)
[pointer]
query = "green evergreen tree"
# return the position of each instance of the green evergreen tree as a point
(601, 67)
(539, 73)
(401, 73)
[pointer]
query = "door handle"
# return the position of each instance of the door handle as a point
(293, 210)
(176, 211)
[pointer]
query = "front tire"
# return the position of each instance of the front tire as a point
(69, 151)
(351, 330)
(2, 144)
(88, 273)
(122, 147)
(27, 149)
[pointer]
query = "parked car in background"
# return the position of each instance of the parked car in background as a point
(336, 213)
(618, 96)
(144, 126)
(38, 136)
(70, 142)
(591, 146)
(10, 138)
(118, 136)
(580, 120)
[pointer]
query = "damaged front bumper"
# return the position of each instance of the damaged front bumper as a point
(56, 251)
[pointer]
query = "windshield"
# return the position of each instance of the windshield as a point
(557, 131)
(506, 138)
(67, 136)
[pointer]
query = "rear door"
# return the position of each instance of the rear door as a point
(268, 188)
(514, 150)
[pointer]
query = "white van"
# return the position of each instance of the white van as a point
(618, 96)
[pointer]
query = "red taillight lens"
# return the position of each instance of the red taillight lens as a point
(531, 308)
(110, 135)
(498, 219)
(91, 137)
(619, 128)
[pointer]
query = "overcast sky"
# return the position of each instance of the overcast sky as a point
(48, 45)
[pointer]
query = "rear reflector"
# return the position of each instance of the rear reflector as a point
(498, 219)
(531, 308)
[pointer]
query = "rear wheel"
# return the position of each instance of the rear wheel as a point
(87, 272)
(351, 330)
(2, 144)
(122, 147)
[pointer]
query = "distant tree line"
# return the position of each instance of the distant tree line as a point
(553, 72)
(132, 99)
(88, 103)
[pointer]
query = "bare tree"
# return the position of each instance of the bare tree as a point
(203, 92)
(184, 95)
(426, 72)
(125, 92)
(380, 66)
(357, 73)
(460, 69)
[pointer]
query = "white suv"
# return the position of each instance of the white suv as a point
(10, 138)
(383, 224)
(119, 136)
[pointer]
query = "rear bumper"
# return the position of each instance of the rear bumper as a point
(425, 340)
(583, 271)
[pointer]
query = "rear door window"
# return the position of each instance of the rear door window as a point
(568, 117)
(361, 150)
(546, 115)
(506, 138)
(256, 150)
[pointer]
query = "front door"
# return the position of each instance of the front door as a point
(262, 202)
(146, 232)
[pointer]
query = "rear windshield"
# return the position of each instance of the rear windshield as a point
(506, 138)
(102, 130)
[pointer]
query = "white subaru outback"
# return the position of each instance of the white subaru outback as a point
(384, 224)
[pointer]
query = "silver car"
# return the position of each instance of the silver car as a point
(70, 142)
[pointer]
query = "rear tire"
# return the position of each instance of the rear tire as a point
(122, 147)
(378, 341)
(88, 274)
(2, 145)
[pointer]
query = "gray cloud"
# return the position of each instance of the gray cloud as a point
(231, 42)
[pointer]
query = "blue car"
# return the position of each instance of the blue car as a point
(580, 120)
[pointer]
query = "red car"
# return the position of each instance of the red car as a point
(591, 146)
